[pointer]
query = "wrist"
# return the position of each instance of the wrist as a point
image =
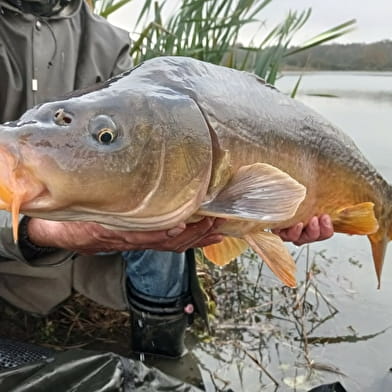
(27, 243)
(38, 234)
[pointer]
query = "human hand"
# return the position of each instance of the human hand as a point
(318, 229)
(90, 238)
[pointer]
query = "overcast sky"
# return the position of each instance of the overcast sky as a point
(374, 18)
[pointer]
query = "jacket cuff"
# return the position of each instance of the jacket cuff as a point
(29, 250)
(9, 250)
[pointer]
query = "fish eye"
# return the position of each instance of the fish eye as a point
(106, 136)
(103, 129)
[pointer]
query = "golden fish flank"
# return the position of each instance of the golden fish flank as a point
(175, 139)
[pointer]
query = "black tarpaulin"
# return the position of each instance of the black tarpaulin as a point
(87, 371)
(334, 387)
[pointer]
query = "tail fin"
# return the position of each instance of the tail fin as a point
(380, 239)
(379, 242)
(389, 220)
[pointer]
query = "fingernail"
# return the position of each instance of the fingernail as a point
(299, 227)
(313, 222)
(326, 221)
(176, 231)
(217, 238)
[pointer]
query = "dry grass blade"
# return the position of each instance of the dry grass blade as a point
(258, 364)
(78, 322)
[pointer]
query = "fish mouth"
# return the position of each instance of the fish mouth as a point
(17, 185)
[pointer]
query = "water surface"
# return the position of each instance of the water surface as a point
(337, 325)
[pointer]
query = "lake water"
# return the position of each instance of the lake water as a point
(337, 326)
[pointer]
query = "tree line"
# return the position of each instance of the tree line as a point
(356, 56)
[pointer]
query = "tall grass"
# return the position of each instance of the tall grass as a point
(209, 30)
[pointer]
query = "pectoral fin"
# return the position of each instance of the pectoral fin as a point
(257, 192)
(226, 251)
(274, 253)
(356, 219)
(220, 175)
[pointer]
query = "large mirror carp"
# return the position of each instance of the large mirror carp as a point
(175, 139)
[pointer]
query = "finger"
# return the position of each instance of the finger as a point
(181, 234)
(208, 240)
(170, 240)
(311, 232)
(292, 233)
(326, 227)
(217, 223)
(199, 229)
(194, 233)
(282, 233)
(102, 246)
(149, 238)
(176, 230)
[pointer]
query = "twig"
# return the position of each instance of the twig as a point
(257, 362)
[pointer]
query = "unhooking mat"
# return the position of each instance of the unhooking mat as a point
(28, 368)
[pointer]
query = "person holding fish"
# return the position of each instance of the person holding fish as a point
(49, 48)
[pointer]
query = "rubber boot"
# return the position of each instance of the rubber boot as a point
(158, 341)
(159, 325)
(159, 329)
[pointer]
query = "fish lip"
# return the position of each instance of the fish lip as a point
(8, 163)
(16, 180)
(40, 202)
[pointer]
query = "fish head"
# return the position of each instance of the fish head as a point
(106, 155)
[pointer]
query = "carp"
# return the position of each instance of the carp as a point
(175, 139)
